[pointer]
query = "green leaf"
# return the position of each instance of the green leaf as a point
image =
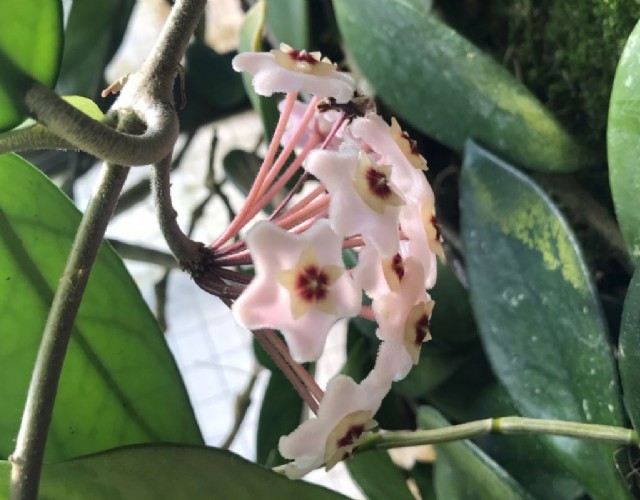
(538, 313)
(251, 40)
(30, 44)
(623, 142)
(447, 88)
(629, 351)
(378, 477)
(289, 22)
(280, 414)
(119, 384)
(464, 471)
(93, 34)
(166, 471)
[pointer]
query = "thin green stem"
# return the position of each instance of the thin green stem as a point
(32, 437)
(503, 425)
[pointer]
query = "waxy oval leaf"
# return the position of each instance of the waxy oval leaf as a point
(167, 471)
(629, 351)
(448, 88)
(120, 384)
(623, 143)
(538, 313)
(31, 46)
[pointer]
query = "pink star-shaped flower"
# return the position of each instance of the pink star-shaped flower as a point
(290, 70)
(376, 134)
(343, 417)
(403, 316)
(299, 288)
(363, 199)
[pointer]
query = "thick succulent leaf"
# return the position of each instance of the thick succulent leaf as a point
(31, 45)
(447, 88)
(629, 351)
(464, 471)
(119, 384)
(538, 312)
(378, 477)
(623, 143)
(166, 471)
(289, 22)
(251, 40)
(93, 33)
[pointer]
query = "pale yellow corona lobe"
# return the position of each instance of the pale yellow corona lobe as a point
(407, 146)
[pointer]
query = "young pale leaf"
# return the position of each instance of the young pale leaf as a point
(251, 40)
(166, 471)
(463, 471)
(119, 384)
(447, 88)
(538, 313)
(31, 47)
(378, 477)
(623, 142)
(629, 360)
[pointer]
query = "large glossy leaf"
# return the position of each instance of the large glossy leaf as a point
(629, 351)
(171, 472)
(464, 471)
(538, 313)
(378, 477)
(448, 88)
(93, 33)
(251, 40)
(119, 384)
(289, 22)
(30, 39)
(623, 142)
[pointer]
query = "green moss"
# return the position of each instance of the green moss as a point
(565, 51)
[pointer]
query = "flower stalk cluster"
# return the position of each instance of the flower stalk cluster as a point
(373, 199)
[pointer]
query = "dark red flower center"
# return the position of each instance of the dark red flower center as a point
(378, 183)
(302, 56)
(397, 266)
(312, 284)
(436, 225)
(421, 329)
(353, 433)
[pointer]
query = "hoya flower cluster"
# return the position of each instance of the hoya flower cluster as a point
(373, 198)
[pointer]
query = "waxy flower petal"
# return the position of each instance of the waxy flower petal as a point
(403, 316)
(363, 201)
(376, 134)
(289, 70)
(343, 417)
(266, 303)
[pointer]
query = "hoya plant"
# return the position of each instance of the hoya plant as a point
(456, 184)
